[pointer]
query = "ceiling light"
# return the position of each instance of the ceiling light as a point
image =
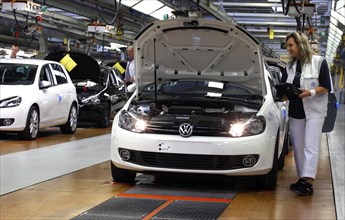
(159, 14)
(129, 3)
(147, 7)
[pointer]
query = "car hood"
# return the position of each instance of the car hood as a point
(7, 91)
(198, 49)
(87, 68)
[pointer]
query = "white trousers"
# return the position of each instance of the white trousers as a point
(306, 140)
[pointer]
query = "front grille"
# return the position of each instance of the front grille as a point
(202, 126)
(187, 161)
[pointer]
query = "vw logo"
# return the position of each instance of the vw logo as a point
(186, 130)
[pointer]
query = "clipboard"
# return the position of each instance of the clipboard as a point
(287, 89)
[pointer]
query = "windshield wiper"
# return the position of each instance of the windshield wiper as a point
(237, 99)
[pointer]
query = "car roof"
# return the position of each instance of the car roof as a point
(27, 61)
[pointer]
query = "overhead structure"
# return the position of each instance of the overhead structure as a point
(268, 20)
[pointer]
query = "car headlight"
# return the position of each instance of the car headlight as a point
(131, 122)
(10, 102)
(247, 127)
(91, 99)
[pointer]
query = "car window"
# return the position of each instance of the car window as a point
(272, 82)
(275, 73)
(56, 67)
(114, 79)
(46, 74)
(59, 74)
(17, 74)
(275, 70)
(60, 77)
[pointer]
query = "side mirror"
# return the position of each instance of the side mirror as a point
(44, 84)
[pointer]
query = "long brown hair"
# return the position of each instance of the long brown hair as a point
(304, 48)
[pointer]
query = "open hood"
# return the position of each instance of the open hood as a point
(186, 48)
(87, 68)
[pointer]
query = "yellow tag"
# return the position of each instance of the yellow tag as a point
(68, 63)
(341, 78)
(119, 67)
(271, 35)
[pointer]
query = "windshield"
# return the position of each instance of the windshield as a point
(17, 74)
(202, 88)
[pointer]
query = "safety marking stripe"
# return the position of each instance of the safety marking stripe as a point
(148, 196)
(154, 212)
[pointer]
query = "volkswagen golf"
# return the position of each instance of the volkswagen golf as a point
(205, 103)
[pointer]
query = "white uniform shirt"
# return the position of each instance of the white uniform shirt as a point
(9, 57)
(131, 68)
(314, 107)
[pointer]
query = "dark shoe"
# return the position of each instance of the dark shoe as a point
(296, 185)
(304, 189)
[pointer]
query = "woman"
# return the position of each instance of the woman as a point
(307, 111)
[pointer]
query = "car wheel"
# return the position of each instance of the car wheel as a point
(32, 124)
(71, 125)
(269, 181)
(105, 121)
(121, 175)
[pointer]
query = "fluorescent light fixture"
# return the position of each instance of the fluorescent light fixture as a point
(159, 14)
(335, 34)
(340, 8)
(54, 9)
(129, 3)
(277, 9)
(147, 7)
(116, 46)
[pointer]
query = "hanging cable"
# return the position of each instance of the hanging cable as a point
(298, 21)
(298, 11)
(117, 10)
(303, 22)
(285, 11)
(17, 22)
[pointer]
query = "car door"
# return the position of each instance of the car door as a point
(47, 97)
(275, 69)
(63, 91)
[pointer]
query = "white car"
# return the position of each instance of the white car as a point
(205, 103)
(35, 94)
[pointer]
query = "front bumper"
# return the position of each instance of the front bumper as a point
(18, 114)
(90, 112)
(222, 154)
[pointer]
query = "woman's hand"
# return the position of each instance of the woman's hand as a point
(305, 93)
(312, 92)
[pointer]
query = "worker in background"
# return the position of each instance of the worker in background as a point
(130, 70)
(14, 51)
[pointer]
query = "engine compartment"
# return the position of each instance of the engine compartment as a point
(191, 109)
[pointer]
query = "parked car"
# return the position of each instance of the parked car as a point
(36, 94)
(204, 103)
(100, 91)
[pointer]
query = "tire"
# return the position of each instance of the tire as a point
(32, 124)
(269, 181)
(105, 121)
(121, 175)
(71, 125)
